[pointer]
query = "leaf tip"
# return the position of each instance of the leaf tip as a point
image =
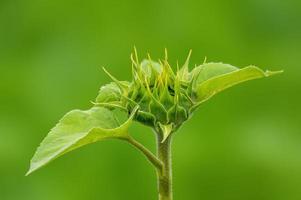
(187, 59)
(205, 60)
(165, 54)
(30, 170)
(28, 173)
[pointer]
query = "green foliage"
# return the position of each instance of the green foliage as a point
(213, 78)
(157, 97)
(76, 129)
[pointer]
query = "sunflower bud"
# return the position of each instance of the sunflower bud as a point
(162, 95)
(166, 99)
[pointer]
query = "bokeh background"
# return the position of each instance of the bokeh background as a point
(244, 143)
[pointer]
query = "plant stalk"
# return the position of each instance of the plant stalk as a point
(164, 178)
(149, 155)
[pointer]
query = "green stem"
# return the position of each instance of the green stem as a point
(149, 155)
(164, 178)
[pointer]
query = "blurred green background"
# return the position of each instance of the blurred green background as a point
(245, 143)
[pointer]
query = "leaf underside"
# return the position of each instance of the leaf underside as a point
(76, 129)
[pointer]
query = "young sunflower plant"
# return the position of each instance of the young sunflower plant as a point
(158, 97)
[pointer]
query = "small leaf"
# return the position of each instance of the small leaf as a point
(158, 110)
(216, 78)
(76, 129)
(109, 93)
(150, 68)
(165, 130)
(165, 98)
(209, 70)
(177, 114)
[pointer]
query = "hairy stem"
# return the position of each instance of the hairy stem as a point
(149, 155)
(165, 178)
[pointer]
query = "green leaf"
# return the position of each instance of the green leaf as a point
(177, 115)
(110, 96)
(216, 77)
(76, 129)
(145, 118)
(165, 130)
(183, 73)
(150, 68)
(109, 93)
(209, 70)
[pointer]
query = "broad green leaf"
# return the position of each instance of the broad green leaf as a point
(76, 129)
(217, 77)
